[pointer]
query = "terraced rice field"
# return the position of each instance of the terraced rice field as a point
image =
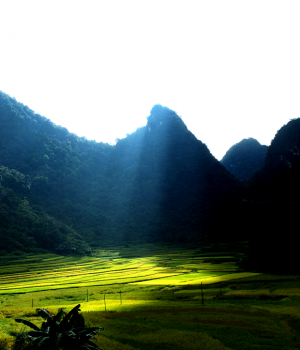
(156, 297)
(51, 272)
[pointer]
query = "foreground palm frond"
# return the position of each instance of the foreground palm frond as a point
(62, 332)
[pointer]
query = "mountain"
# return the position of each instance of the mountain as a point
(170, 186)
(273, 196)
(245, 158)
(279, 179)
(37, 162)
(158, 184)
(62, 193)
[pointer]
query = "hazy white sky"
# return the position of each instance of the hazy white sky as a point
(230, 69)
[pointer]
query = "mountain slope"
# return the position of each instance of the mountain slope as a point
(245, 158)
(159, 183)
(24, 229)
(52, 163)
(171, 184)
(274, 203)
(279, 179)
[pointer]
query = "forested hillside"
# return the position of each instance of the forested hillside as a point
(63, 193)
(245, 158)
(42, 165)
(159, 183)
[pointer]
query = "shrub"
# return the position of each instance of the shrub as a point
(4, 344)
(60, 332)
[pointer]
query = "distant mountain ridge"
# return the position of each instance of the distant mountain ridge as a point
(245, 158)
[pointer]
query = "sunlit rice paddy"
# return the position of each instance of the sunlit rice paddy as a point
(114, 287)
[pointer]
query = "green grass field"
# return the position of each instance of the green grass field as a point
(156, 297)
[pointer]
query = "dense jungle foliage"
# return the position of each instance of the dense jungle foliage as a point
(63, 193)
